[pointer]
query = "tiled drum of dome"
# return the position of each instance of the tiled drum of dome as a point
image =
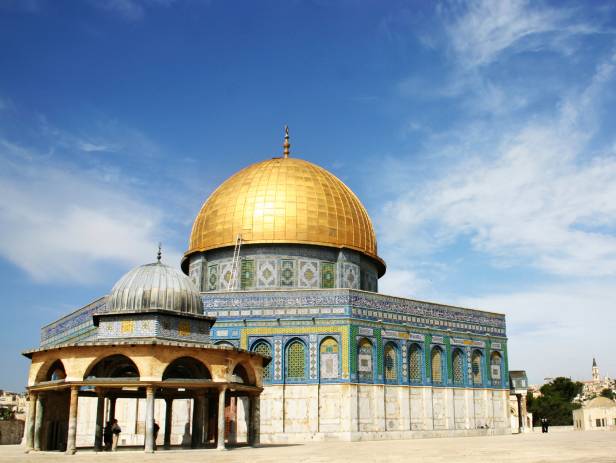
(287, 273)
(308, 274)
(266, 274)
(328, 275)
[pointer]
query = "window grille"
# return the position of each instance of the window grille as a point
(458, 367)
(437, 365)
(391, 373)
(264, 348)
(476, 367)
(296, 360)
(415, 364)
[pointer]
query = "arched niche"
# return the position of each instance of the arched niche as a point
(244, 374)
(113, 366)
(186, 368)
(54, 372)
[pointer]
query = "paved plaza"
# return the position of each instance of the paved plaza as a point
(570, 446)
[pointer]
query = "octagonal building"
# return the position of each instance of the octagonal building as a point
(286, 258)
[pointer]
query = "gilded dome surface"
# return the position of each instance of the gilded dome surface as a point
(284, 200)
(155, 286)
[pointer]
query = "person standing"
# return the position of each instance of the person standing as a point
(107, 436)
(156, 429)
(116, 430)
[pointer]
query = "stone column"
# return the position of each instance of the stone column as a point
(149, 419)
(71, 441)
(520, 419)
(197, 425)
(220, 444)
(168, 422)
(255, 420)
(524, 413)
(38, 420)
(30, 422)
(100, 421)
(112, 408)
(206, 419)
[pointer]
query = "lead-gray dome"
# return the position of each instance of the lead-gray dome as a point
(154, 287)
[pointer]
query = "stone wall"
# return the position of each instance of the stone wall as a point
(11, 432)
(374, 411)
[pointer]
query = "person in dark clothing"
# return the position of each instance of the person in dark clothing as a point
(116, 430)
(107, 436)
(156, 429)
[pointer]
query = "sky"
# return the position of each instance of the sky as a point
(480, 136)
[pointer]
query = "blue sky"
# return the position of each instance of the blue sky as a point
(479, 135)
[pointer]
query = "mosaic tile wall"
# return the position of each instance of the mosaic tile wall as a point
(76, 326)
(154, 326)
(352, 303)
(284, 267)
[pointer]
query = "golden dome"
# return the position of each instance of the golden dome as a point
(284, 200)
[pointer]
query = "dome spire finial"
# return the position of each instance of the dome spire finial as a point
(160, 252)
(286, 145)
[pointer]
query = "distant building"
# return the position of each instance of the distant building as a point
(593, 387)
(597, 415)
(15, 402)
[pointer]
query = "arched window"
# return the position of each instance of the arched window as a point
(114, 366)
(495, 368)
(364, 361)
(436, 360)
(457, 361)
(296, 360)
(390, 363)
(476, 367)
(329, 358)
(56, 371)
(186, 368)
(415, 364)
(263, 348)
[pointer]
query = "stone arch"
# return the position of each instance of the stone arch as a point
(224, 343)
(113, 366)
(186, 368)
(437, 365)
(477, 367)
(390, 362)
(295, 360)
(329, 363)
(416, 364)
(263, 347)
(365, 360)
(51, 371)
(457, 366)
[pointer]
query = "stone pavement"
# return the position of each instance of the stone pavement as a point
(571, 446)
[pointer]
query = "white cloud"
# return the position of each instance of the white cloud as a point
(556, 330)
(484, 29)
(535, 196)
(64, 225)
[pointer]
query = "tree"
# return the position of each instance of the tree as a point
(555, 402)
(607, 392)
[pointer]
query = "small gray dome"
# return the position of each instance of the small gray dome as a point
(155, 286)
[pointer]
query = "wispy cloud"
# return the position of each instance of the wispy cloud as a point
(63, 224)
(481, 30)
(130, 10)
(537, 195)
